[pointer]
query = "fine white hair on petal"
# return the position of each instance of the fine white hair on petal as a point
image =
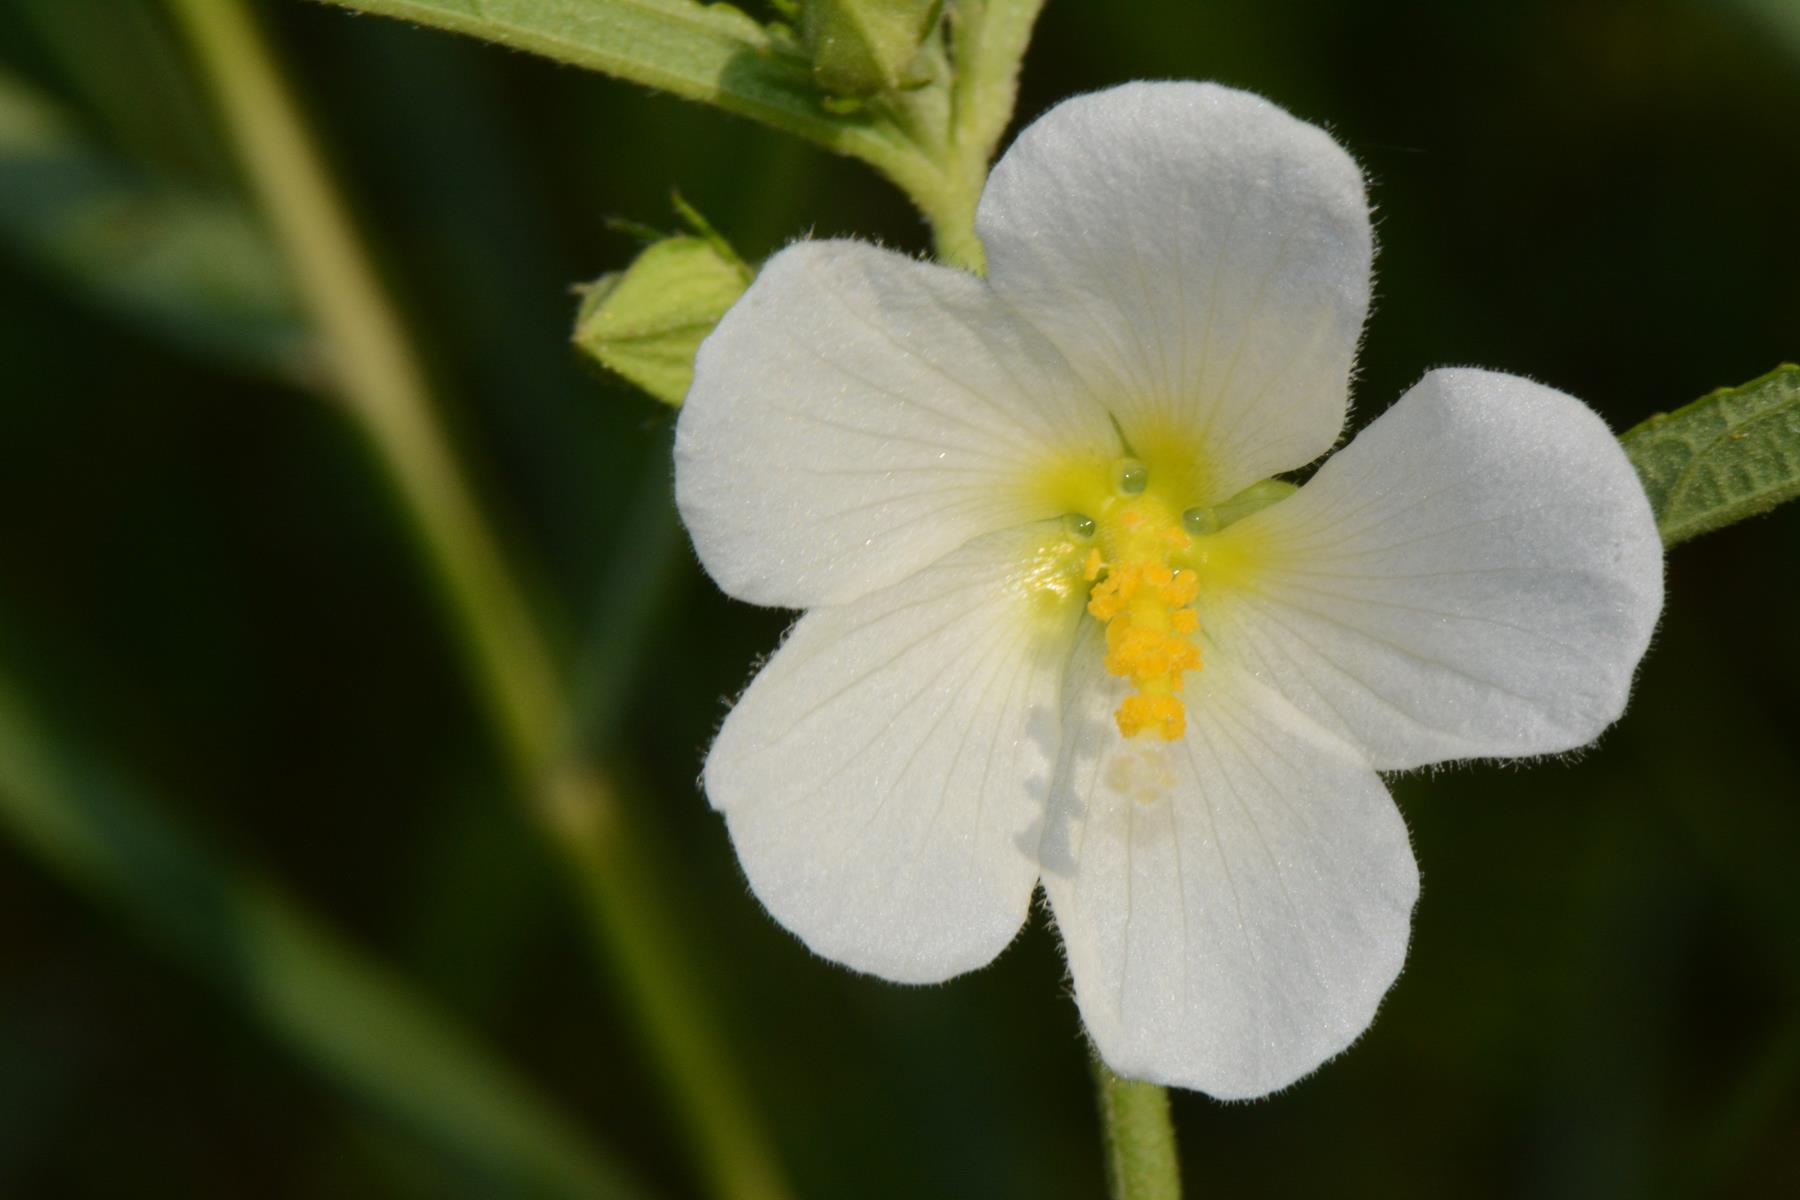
(857, 415)
(1477, 574)
(1202, 259)
(1233, 905)
(883, 779)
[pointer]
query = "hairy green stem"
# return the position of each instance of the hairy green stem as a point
(1140, 1139)
(950, 211)
(987, 45)
(384, 389)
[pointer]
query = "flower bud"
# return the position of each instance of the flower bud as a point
(646, 321)
(863, 47)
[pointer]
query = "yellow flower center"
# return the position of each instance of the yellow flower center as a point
(1138, 536)
(1144, 601)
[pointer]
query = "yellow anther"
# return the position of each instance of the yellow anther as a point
(1144, 603)
(1145, 654)
(1112, 594)
(1161, 714)
(1091, 569)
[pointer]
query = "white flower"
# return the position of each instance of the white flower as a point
(976, 485)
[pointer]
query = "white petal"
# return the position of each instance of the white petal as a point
(1202, 259)
(884, 777)
(859, 414)
(1233, 905)
(1478, 573)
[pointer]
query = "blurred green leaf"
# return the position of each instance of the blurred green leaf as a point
(1727, 456)
(1780, 17)
(191, 268)
(127, 82)
(647, 321)
(361, 1028)
(863, 47)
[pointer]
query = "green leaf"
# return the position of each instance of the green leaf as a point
(864, 47)
(933, 142)
(713, 53)
(647, 321)
(1728, 456)
(192, 268)
(361, 1028)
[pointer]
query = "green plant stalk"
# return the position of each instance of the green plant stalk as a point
(615, 881)
(375, 372)
(955, 129)
(990, 42)
(1140, 1139)
(988, 55)
(384, 389)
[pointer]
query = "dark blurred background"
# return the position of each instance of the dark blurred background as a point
(205, 586)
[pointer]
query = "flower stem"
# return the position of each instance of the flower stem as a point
(950, 211)
(944, 174)
(1140, 1139)
(384, 390)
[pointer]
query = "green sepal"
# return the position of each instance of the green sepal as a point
(862, 48)
(1729, 455)
(646, 322)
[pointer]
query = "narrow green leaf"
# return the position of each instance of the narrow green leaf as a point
(358, 1026)
(192, 268)
(713, 53)
(1727, 456)
(647, 321)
